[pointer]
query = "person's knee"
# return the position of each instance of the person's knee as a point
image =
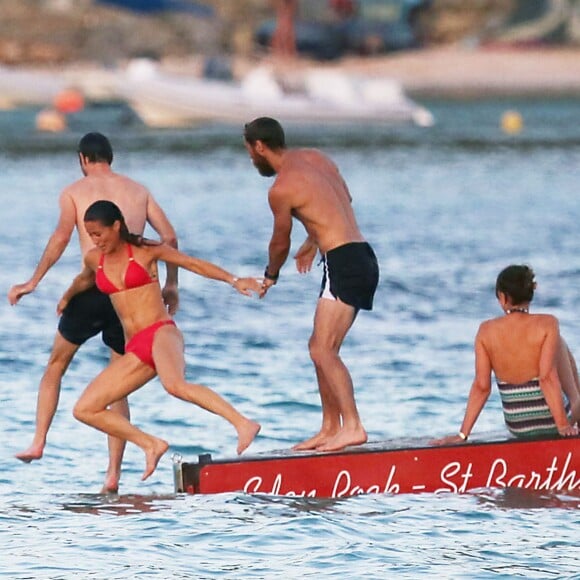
(320, 353)
(60, 359)
(122, 407)
(81, 412)
(175, 387)
(313, 348)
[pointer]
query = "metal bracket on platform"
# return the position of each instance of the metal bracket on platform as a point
(204, 458)
(177, 472)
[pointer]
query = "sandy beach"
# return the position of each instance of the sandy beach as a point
(455, 72)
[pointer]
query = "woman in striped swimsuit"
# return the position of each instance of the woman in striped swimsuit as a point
(535, 371)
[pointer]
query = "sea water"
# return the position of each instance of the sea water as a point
(446, 208)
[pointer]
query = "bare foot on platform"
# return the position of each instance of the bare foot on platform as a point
(344, 439)
(111, 485)
(246, 434)
(32, 453)
(153, 455)
(312, 443)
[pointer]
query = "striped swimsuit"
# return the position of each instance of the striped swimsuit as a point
(525, 410)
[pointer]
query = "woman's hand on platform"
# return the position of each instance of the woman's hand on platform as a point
(447, 440)
(568, 431)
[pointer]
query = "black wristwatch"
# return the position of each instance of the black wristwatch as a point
(273, 277)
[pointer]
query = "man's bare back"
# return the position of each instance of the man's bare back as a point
(102, 183)
(99, 181)
(311, 183)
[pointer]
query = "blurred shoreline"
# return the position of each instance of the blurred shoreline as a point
(453, 72)
(446, 74)
(85, 43)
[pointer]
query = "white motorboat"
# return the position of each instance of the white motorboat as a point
(324, 96)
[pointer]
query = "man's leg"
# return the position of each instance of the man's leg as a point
(341, 422)
(331, 418)
(62, 353)
(324, 345)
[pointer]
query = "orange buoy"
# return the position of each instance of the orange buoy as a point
(69, 101)
(512, 122)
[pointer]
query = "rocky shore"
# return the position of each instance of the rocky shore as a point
(56, 32)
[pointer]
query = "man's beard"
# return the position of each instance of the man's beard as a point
(263, 167)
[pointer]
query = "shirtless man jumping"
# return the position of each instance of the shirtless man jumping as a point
(91, 312)
(309, 187)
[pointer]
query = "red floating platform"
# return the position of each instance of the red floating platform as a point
(396, 466)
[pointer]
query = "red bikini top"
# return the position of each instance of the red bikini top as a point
(135, 276)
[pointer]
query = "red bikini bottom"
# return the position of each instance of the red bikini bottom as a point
(141, 345)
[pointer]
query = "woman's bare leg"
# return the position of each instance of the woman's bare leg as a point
(168, 357)
(121, 378)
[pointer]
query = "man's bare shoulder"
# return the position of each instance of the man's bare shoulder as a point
(74, 189)
(282, 187)
(112, 186)
(130, 183)
(305, 165)
(308, 156)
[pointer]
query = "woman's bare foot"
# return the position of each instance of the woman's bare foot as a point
(246, 434)
(153, 455)
(343, 439)
(30, 454)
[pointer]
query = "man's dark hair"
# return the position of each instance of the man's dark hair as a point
(96, 147)
(267, 130)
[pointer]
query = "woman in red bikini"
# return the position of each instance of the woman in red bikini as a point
(125, 266)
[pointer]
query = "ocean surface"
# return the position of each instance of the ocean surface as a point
(446, 208)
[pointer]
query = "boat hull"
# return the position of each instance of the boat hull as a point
(169, 100)
(410, 466)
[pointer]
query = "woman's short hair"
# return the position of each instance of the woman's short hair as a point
(517, 282)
